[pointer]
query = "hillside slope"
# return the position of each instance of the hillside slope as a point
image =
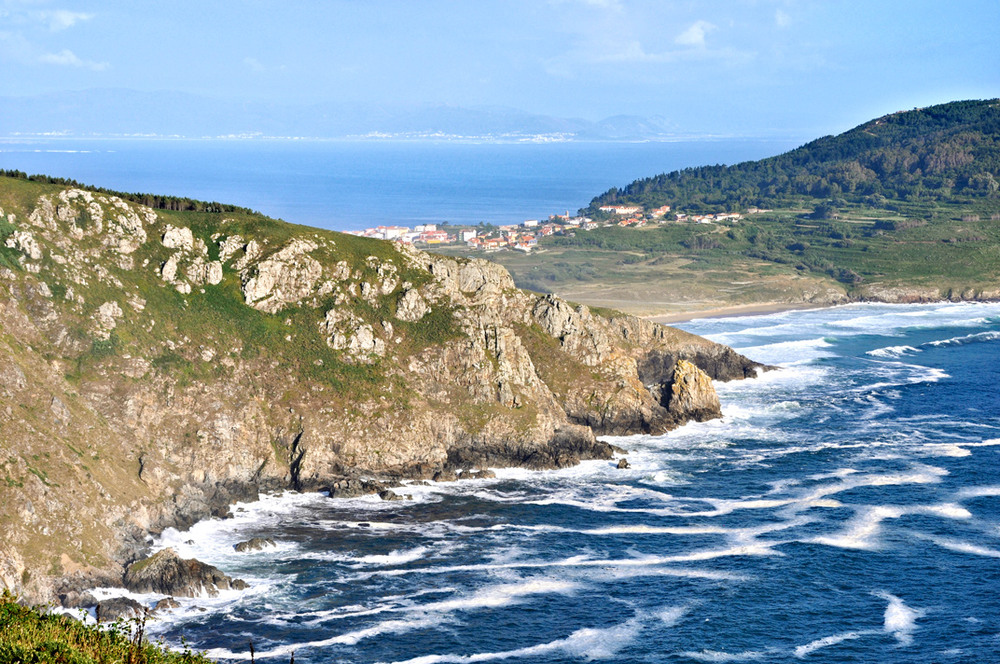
(904, 208)
(157, 365)
(944, 153)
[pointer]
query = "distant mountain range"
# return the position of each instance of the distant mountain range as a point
(118, 112)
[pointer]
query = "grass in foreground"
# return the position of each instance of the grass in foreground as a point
(28, 636)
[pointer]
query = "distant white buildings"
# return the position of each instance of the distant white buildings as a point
(621, 209)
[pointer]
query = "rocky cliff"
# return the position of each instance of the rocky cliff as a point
(156, 366)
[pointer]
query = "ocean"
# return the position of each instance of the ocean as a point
(846, 508)
(344, 185)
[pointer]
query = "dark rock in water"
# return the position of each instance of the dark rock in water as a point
(166, 604)
(110, 610)
(623, 464)
(77, 600)
(167, 573)
(484, 474)
(388, 494)
(353, 487)
(618, 450)
(364, 524)
(254, 544)
(223, 512)
(420, 483)
(445, 476)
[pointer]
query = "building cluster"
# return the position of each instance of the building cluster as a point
(422, 233)
(524, 236)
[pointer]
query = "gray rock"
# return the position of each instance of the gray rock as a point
(77, 600)
(116, 608)
(445, 476)
(388, 494)
(623, 464)
(353, 487)
(166, 604)
(254, 544)
(167, 573)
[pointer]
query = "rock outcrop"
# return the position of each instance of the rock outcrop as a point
(154, 370)
(167, 573)
(255, 544)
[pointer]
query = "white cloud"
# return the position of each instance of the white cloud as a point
(695, 34)
(67, 58)
(61, 19)
(782, 19)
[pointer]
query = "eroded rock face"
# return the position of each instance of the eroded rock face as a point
(167, 573)
(186, 421)
(285, 277)
(691, 394)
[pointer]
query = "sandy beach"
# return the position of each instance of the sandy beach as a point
(735, 310)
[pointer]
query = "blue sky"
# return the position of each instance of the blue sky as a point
(750, 66)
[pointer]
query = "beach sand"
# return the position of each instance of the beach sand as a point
(735, 310)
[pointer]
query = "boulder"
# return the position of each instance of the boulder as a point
(166, 604)
(254, 544)
(117, 608)
(388, 494)
(77, 600)
(353, 487)
(623, 464)
(445, 476)
(167, 573)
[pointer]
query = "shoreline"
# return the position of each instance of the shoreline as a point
(737, 310)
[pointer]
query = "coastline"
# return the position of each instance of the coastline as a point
(733, 311)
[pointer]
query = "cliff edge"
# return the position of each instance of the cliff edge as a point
(157, 366)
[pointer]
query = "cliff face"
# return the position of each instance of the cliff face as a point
(155, 367)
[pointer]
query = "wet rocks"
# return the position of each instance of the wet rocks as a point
(167, 573)
(255, 544)
(118, 608)
(353, 487)
(623, 464)
(166, 604)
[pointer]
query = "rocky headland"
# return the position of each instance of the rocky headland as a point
(156, 367)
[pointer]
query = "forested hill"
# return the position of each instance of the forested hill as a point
(949, 152)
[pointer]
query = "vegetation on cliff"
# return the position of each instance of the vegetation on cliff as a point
(158, 365)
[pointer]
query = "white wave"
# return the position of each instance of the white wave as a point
(397, 557)
(893, 352)
(900, 620)
(979, 337)
(501, 595)
(961, 546)
(587, 643)
(417, 616)
(789, 353)
(826, 641)
(721, 656)
(862, 530)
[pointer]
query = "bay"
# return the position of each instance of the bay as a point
(345, 185)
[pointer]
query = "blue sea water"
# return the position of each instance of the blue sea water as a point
(846, 508)
(352, 185)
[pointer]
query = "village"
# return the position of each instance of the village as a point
(525, 236)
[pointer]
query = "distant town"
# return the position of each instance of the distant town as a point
(524, 236)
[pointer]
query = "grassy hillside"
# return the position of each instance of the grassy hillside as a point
(904, 207)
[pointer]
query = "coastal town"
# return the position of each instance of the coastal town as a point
(525, 236)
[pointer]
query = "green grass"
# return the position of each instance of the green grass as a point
(30, 636)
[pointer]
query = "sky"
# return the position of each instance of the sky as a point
(810, 67)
